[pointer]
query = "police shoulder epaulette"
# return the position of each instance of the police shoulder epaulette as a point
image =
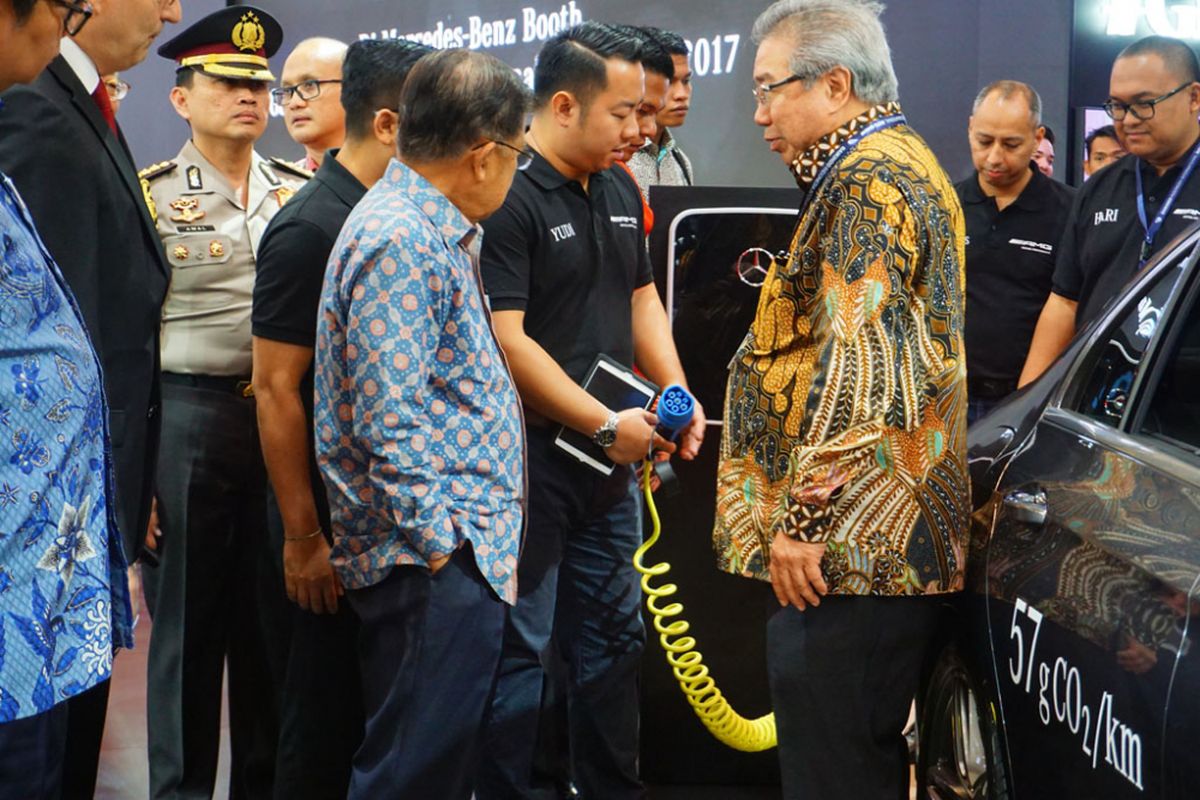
(156, 170)
(290, 168)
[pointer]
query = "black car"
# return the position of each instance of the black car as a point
(1072, 668)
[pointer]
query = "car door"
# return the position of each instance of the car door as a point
(1094, 528)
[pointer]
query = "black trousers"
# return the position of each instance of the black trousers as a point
(843, 676)
(314, 665)
(429, 646)
(204, 599)
(86, 713)
(31, 756)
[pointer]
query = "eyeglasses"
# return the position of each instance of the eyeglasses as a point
(524, 157)
(78, 13)
(763, 89)
(1142, 109)
(117, 88)
(307, 90)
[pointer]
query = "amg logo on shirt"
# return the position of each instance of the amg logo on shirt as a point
(562, 232)
(1192, 214)
(1107, 215)
(1032, 247)
(624, 222)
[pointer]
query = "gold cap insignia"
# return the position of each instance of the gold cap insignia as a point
(248, 34)
(187, 208)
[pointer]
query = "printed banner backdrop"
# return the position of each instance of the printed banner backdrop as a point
(942, 49)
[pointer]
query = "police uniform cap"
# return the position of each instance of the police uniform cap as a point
(233, 42)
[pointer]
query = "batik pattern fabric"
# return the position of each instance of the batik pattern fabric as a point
(845, 414)
(64, 599)
(419, 432)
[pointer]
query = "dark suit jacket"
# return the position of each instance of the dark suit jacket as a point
(82, 188)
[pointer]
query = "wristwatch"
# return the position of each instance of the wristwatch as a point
(606, 435)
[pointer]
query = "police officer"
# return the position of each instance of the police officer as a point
(214, 201)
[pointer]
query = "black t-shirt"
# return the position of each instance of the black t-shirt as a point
(290, 271)
(1010, 263)
(570, 260)
(1102, 245)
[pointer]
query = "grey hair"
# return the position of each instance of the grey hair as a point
(1007, 90)
(453, 98)
(832, 33)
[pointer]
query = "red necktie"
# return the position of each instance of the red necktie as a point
(105, 106)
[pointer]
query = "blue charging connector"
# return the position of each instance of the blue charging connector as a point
(675, 409)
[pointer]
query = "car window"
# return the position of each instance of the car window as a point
(1172, 411)
(1108, 376)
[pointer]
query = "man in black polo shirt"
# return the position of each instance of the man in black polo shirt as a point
(1014, 218)
(1154, 99)
(568, 279)
(312, 648)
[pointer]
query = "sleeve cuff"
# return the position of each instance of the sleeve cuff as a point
(508, 303)
(286, 335)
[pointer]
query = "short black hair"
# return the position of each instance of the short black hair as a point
(573, 61)
(454, 98)
(674, 44)
(22, 9)
(654, 57)
(1103, 132)
(1048, 135)
(1179, 57)
(185, 77)
(373, 75)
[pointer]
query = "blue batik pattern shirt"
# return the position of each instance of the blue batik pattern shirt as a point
(418, 427)
(64, 600)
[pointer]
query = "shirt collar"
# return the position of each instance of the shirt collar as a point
(808, 164)
(1031, 198)
(668, 144)
(340, 180)
(81, 63)
(445, 216)
(546, 176)
(1150, 174)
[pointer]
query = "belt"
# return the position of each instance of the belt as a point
(229, 384)
(990, 388)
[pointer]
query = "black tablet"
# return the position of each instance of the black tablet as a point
(619, 388)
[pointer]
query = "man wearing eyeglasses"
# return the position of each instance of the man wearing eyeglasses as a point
(214, 199)
(62, 147)
(309, 96)
(843, 473)
(1126, 213)
(418, 429)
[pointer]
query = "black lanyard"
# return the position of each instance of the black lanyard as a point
(1152, 228)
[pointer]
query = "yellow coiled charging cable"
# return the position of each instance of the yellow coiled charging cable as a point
(714, 711)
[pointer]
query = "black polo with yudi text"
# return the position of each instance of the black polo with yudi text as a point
(571, 260)
(1102, 245)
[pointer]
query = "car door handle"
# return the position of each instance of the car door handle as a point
(1028, 507)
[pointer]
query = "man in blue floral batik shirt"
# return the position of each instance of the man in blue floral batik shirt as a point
(418, 430)
(64, 602)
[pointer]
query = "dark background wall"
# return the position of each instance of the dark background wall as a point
(944, 50)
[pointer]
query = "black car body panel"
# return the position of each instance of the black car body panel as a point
(1081, 610)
